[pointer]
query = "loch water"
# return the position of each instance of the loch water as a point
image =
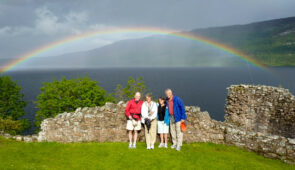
(203, 86)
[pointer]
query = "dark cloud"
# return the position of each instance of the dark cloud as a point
(25, 24)
(185, 14)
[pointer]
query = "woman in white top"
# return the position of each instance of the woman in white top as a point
(149, 110)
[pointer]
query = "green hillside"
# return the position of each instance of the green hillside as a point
(272, 42)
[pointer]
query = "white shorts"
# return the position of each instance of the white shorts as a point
(133, 125)
(162, 127)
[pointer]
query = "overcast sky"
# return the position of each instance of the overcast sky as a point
(28, 24)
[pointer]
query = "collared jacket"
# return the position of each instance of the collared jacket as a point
(178, 108)
(133, 109)
(145, 111)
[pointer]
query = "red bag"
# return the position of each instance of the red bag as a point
(183, 126)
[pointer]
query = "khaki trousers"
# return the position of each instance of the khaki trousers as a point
(151, 136)
(176, 132)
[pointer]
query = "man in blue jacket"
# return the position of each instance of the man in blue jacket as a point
(177, 116)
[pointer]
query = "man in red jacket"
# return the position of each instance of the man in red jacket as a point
(133, 113)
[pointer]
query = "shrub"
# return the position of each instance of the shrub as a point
(10, 126)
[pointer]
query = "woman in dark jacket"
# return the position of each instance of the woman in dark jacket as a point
(163, 126)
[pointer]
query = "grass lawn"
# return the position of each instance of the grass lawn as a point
(20, 155)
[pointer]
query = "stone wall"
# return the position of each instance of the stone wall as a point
(264, 109)
(258, 118)
(271, 146)
(108, 123)
(261, 119)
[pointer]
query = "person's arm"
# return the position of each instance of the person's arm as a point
(182, 109)
(155, 112)
(144, 111)
(167, 116)
(127, 109)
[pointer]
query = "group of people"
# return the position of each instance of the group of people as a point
(156, 117)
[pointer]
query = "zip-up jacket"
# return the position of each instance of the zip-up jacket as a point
(133, 109)
(178, 109)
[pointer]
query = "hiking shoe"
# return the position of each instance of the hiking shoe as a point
(173, 146)
(178, 148)
(161, 145)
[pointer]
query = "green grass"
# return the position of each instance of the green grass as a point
(20, 155)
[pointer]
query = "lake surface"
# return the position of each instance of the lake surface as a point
(203, 87)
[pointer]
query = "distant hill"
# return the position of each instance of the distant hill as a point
(272, 42)
(155, 51)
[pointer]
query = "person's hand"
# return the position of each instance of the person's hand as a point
(182, 121)
(130, 117)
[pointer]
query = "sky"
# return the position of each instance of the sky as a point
(28, 24)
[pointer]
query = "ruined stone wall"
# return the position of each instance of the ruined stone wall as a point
(258, 118)
(271, 146)
(108, 123)
(264, 109)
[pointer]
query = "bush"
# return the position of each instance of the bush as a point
(11, 107)
(133, 85)
(10, 126)
(67, 95)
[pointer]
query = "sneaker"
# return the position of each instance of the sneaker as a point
(173, 146)
(152, 147)
(165, 145)
(134, 146)
(161, 145)
(148, 147)
(130, 145)
(178, 148)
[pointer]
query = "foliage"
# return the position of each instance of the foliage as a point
(12, 107)
(20, 155)
(67, 95)
(133, 85)
(10, 126)
(11, 99)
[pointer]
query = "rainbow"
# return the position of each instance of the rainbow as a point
(156, 31)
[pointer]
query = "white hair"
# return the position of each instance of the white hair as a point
(168, 90)
(137, 93)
